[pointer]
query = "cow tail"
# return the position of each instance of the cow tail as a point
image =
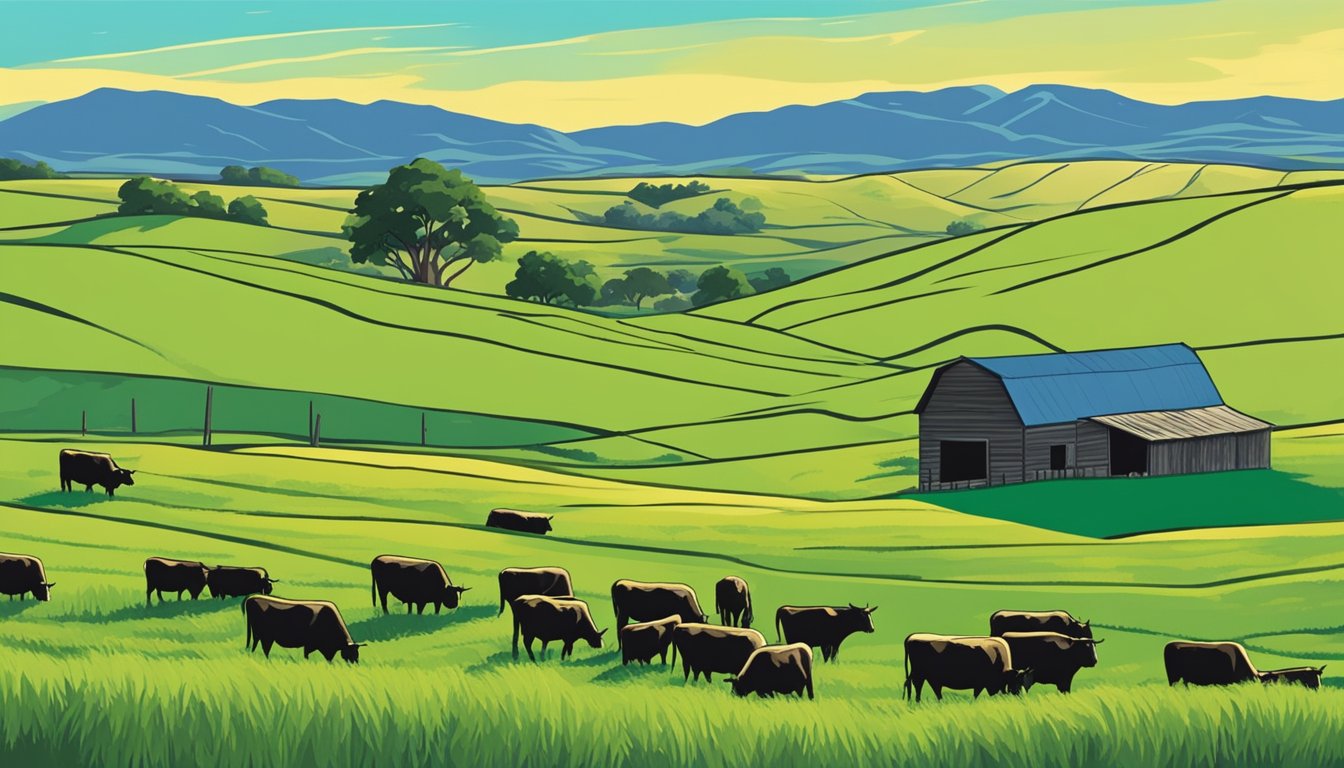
(515, 631)
(674, 651)
(907, 673)
(373, 588)
(778, 635)
(749, 618)
(247, 641)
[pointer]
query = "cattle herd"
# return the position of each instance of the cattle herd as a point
(654, 619)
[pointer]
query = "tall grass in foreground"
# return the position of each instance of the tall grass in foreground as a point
(122, 710)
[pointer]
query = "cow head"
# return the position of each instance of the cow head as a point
(547, 521)
(1084, 630)
(43, 590)
(1019, 680)
(452, 596)
(596, 640)
(266, 583)
(351, 652)
(1080, 650)
(859, 619)
(738, 687)
(122, 477)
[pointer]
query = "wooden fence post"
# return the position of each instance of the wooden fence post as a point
(317, 431)
(310, 422)
(132, 415)
(83, 423)
(209, 398)
(422, 428)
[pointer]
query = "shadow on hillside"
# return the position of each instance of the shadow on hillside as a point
(395, 625)
(171, 608)
(16, 606)
(67, 499)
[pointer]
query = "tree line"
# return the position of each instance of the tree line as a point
(144, 196)
(260, 176)
(17, 170)
(723, 218)
(551, 279)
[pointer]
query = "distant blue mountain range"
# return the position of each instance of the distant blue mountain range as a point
(336, 142)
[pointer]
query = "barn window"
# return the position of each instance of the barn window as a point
(963, 460)
(1059, 457)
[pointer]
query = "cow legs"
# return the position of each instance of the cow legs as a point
(937, 691)
(976, 695)
(567, 650)
(382, 595)
(436, 608)
(527, 643)
(420, 609)
(266, 647)
(408, 609)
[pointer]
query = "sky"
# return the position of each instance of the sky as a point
(579, 64)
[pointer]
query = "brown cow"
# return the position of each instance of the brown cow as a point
(1038, 621)
(822, 626)
(230, 581)
(165, 575)
(88, 469)
(516, 582)
(414, 582)
(706, 648)
(776, 669)
(21, 575)
(732, 601)
(313, 625)
(641, 642)
(1308, 676)
(1052, 658)
(538, 617)
(961, 663)
(648, 601)
(1196, 663)
(514, 520)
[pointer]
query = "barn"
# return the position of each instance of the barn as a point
(1117, 412)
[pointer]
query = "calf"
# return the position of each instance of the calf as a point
(647, 601)
(538, 617)
(514, 520)
(414, 582)
(962, 663)
(165, 575)
(516, 582)
(313, 625)
(1308, 676)
(1196, 663)
(89, 469)
(732, 601)
(776, 669)
(22, 575)
(1052, 658)
(822, 626)
(229, 581)
(641, 642)
(1038, 621)
(706, 649)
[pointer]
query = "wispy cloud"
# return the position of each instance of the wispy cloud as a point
(247, 39)
(265, 63)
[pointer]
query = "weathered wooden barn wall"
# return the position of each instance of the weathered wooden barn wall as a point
(970, 403)
(1217, 453)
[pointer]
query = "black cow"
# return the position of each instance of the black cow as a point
(648, 601)
(1308, 676)
(516, 582)
(822, 626)
(89, 469)
(21, 575)
(1052, 658)
(641, 642)
(165, 575)
(962, 663)
(1198, 663)
(231, 581)
(706, 649)
(732, 601)
(313, 625)
(414, 582)
(782, 669)
(1038, 621)
(514, 520)
(538, 617)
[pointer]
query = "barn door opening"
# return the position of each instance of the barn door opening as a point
(962, 460)
(1129, 454)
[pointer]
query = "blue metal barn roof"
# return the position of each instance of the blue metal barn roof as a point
(1055, 388)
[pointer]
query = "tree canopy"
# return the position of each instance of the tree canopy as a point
(723, 218)
(260, 176)
(958, 227)
(720, 284)
(642, 283)
(654, 196)
(428, 222)
(550, 279)
(143, 196)
(14, 170)
(772, 278)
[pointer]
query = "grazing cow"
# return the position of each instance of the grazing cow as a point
(1038, 621)
(313, 625)
(513, 520)
(732, 601)
(962, 663)
(1052, 658)
(516, 582)
(1308, 676)
(1208, 663)
(414, 582)
(776, 669)
(229, 581)
(647, 601)
(538, 617)
(641, 642)
(822, 626)
(706, 648)
(164, 575)
(24, 574)
(89, 469)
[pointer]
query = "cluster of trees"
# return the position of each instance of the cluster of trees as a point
(958, 227)
(655, 196)
(143, 196)
(724, 218)
(551, 279)
(260, 176)
(14, 170)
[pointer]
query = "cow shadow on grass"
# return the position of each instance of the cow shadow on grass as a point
(551, 656)
(633, 672)
(15, 607)
(171, 608)
(67, 499)
(394, 625)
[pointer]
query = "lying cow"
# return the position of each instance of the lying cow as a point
(776, 669)
(706, 649)
(732, 601)
(647, 601)
(516, 582)
(1308, 676)
(230, 581)
(1038, 621)
(313, 625)
(1197, 663)
(89, 469)
(641, 642)
(1052, 658)
(822, 626)
(563, 619)
(22, 575)
(414, 582)
(514, 520)
(165, 575)
(962, 663)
